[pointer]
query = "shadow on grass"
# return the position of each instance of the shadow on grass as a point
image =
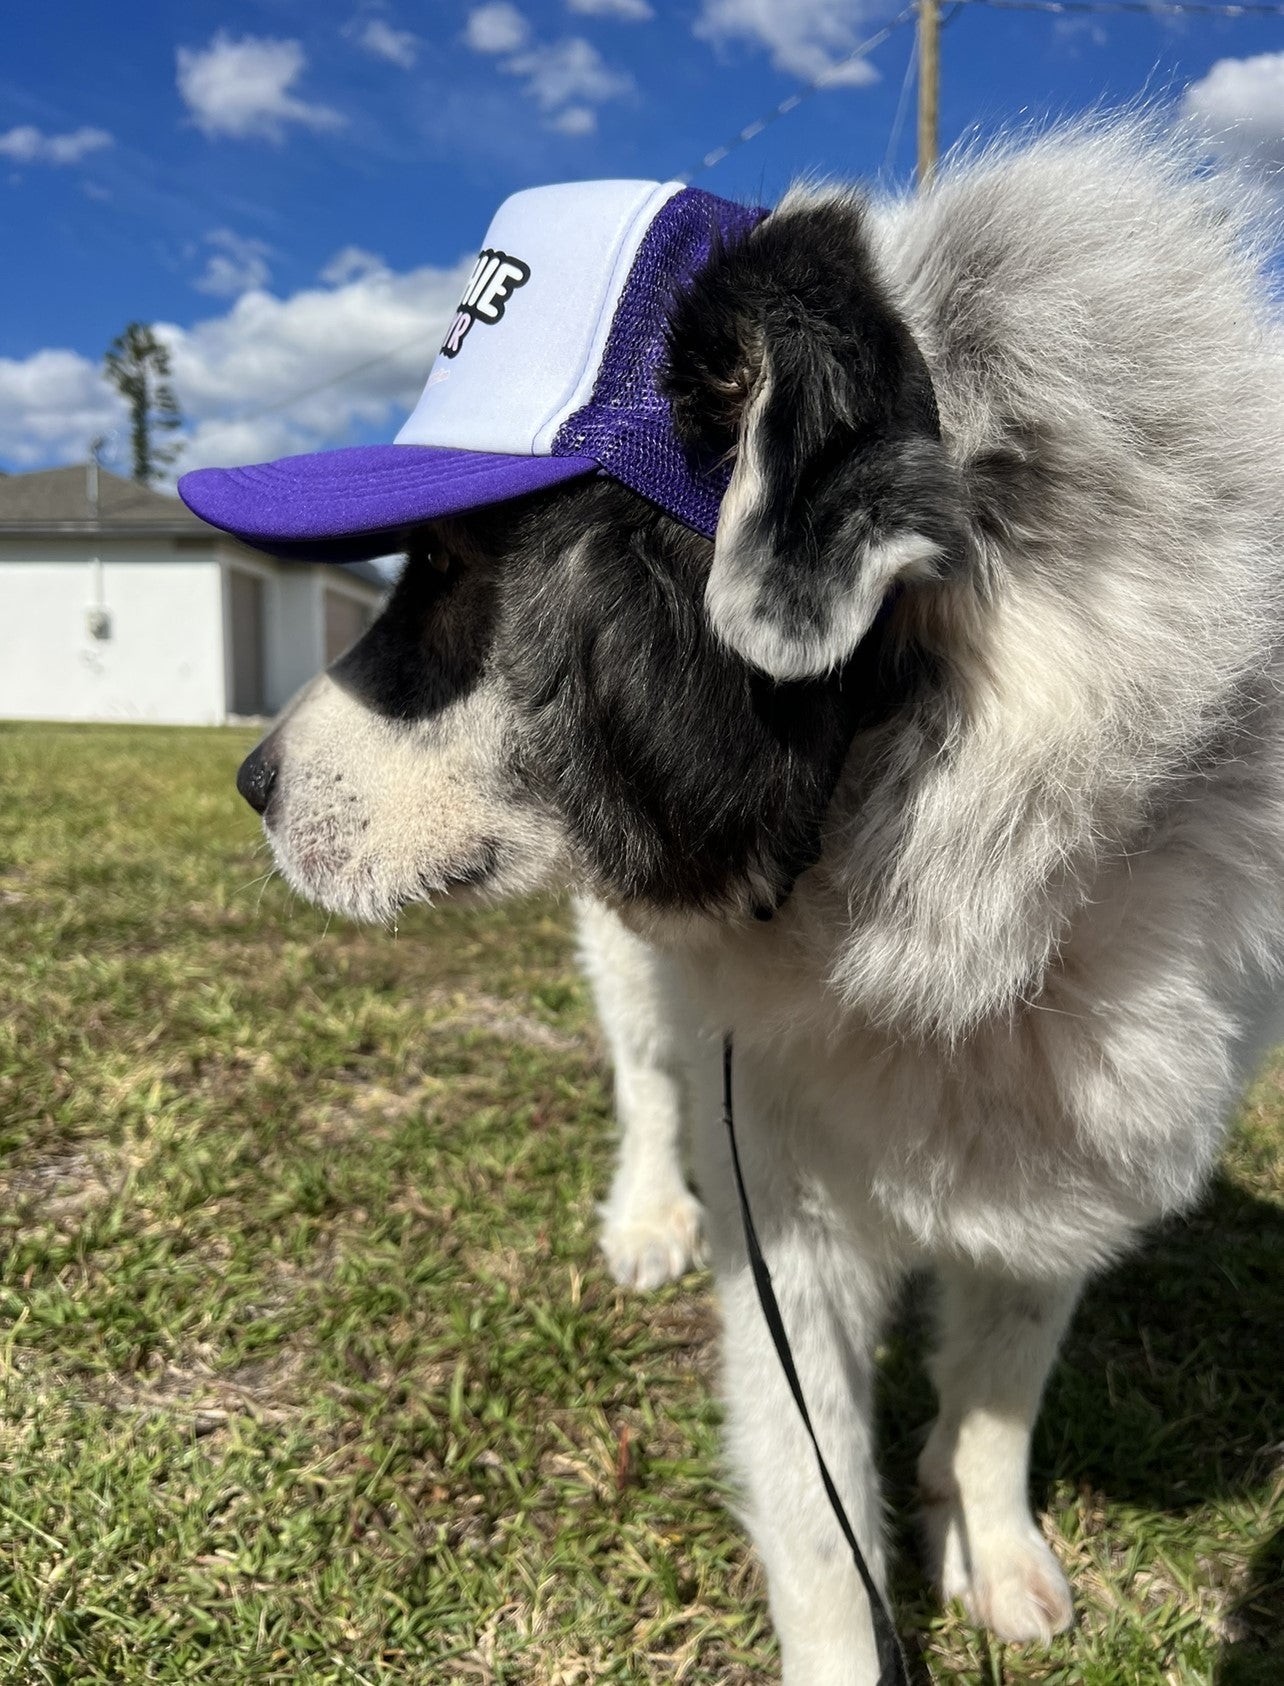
(1166, 1399)
(1256, 1658)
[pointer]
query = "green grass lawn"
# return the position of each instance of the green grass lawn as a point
(309, 1371)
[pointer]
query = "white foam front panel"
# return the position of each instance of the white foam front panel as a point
(523, 351)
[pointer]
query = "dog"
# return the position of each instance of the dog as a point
(948, 778)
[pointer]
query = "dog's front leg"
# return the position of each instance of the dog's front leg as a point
(834, 1291)
(998, 1339)
(650, 1220)
(832, 1302)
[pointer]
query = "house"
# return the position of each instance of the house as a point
(116, 603)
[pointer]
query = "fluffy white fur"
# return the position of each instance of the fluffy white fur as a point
(999, 1027)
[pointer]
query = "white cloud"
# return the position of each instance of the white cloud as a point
(805, 37)
(567, 70)
(575, 120)
(25, 145)
(566, 79)
(242, 88)
(398, 46)
(51, 405)
(1240, 104)
(497, 28)
(236, 265)
(263, 350)
(352, 263)
(267, 349)
(628, 11)
(1074, 31)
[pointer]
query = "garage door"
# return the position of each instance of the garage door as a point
(246, 594)
(345, 620)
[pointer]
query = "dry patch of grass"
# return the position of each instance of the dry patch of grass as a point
(308, 1368)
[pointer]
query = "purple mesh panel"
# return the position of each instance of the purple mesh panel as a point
(626, 424)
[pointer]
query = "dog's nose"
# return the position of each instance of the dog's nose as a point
(256, 777)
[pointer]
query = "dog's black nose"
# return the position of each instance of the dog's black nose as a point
(256, 777)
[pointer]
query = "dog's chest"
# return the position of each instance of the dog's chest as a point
(929, 1151)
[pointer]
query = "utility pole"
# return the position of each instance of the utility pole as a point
(97, 615)
(929, 88)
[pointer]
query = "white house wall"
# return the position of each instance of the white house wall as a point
(163, 660)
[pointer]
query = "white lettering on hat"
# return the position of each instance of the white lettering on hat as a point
(483, 269)
(494, 277)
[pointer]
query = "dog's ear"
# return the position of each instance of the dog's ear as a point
(788, 354)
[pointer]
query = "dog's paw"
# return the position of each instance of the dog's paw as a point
(1018, 1592)
(1007, 1582)
(650, 1246)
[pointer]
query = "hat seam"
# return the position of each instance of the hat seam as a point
(610, 302)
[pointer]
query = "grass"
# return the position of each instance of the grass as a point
(309, 1371)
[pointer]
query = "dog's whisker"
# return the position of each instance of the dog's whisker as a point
(260, 881)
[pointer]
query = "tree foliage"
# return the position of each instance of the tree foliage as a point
(137, 365)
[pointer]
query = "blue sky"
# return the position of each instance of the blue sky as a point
(291, 189)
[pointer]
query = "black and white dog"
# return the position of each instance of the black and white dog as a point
(949, 777)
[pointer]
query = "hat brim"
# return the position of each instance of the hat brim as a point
(352, 504)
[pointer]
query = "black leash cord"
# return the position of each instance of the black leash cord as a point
(892, 1669)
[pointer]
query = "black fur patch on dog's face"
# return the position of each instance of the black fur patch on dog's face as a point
(691, 759)
(428, 649)
(685, 779)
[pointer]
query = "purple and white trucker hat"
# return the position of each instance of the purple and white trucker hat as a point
(549, 371)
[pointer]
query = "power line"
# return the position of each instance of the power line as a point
(752, 130)
(1139, 8)
(335, 380)
(710, 158)
(902, 106)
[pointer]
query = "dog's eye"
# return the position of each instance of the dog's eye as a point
(733, 390)
(434, 559)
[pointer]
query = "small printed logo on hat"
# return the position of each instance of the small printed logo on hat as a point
(495, 276)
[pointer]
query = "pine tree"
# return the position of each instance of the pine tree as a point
(137, 365)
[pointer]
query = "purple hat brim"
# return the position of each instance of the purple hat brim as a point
(351, 504)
